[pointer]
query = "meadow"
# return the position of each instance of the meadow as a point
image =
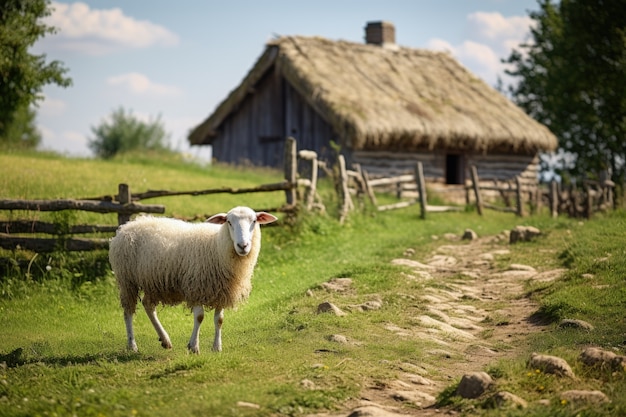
(62, 337)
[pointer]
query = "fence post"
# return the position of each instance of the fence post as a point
(479, 201)
(291, 169)
(123, 197)
(346, 201)
(554, 199)
(518, 197)
(421, 188)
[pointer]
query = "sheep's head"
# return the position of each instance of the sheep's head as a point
(241, 223)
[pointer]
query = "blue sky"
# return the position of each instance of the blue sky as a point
(179, 60)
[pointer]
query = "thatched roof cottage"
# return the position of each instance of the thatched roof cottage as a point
(385, 106)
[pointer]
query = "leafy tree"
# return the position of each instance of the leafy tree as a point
(572, 78)
(22, 132)
(123, 132)
(22, 74)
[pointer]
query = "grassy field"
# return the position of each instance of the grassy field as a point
(62, 332)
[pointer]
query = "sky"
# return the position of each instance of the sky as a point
(176, 61)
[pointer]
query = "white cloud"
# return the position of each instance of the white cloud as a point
(140, 84)
(491, 37)
(101, 31)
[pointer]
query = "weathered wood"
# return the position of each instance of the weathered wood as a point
(368, 187)
(421, 186)
(34, 226)
(123, 197)
(84, 205)
(291, 169)
(280, 186)
(307, 155)
(377, 182)
(400, 204)
(518, 198)
(312, 190)
(41, 245)
(442, 209)
(476, 185)
(346, 201)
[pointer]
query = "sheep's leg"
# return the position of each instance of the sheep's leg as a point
(151, 312)
(130, 334)
(218, 318)
(194, 342)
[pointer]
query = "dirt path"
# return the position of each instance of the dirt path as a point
(475, 316)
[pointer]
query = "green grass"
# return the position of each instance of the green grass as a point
(62, 332)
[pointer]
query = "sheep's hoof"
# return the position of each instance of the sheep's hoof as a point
(194, 349)
(165, 344)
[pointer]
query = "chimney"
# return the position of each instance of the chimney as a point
(380, 33)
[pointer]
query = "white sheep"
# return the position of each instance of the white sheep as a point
(202, 264)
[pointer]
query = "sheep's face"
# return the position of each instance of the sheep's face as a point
(241, 223)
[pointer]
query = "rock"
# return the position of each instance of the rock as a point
(505, 399)
(474, 384)
(372, 411)
(523, 234)
(338, 284)
(409, 252)
(327, 307)
(417, 398)
(411, 264)
(469, 234)
(577, 324)
(551, 365)
(593, 356)
(309, 293)
(520, 267)
(450, 236)
(338, 338)
(581, 396)
(245, 404)
(307, 384)
(442, 260)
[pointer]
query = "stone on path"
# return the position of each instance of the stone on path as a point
(474, 384)
(576, 324)
(504, 399)
(327, 307)
(593, 356)
(523, 234)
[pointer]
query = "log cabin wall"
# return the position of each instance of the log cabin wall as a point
(492, 169)
(256, 132)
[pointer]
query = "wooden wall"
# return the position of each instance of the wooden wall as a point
(256, 132)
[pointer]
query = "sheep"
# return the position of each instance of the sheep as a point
(206, 264)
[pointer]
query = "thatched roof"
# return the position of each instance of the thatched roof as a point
(390, 98)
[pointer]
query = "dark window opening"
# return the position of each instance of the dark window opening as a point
(455, 172)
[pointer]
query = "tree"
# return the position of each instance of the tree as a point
(23, 75)
(22, 132)
(572, 78)
(123, 132)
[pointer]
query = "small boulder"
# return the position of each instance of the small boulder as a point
(338, 338)
(523, 234)
(505, 399)
(584, 397)
(577, 324)
(327, 307)
(551, 365)
(469, 234)
(593, 356)
(474, 384)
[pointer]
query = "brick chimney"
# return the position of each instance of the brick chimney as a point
(380, 33)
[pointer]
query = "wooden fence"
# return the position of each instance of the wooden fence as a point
(301, 172)
(19, 233)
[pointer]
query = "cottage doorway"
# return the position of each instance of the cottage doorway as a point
(455, 169)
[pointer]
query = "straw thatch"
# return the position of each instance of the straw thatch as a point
(391, 98)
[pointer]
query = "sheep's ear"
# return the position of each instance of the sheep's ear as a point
(263, 217)
(219, 218)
